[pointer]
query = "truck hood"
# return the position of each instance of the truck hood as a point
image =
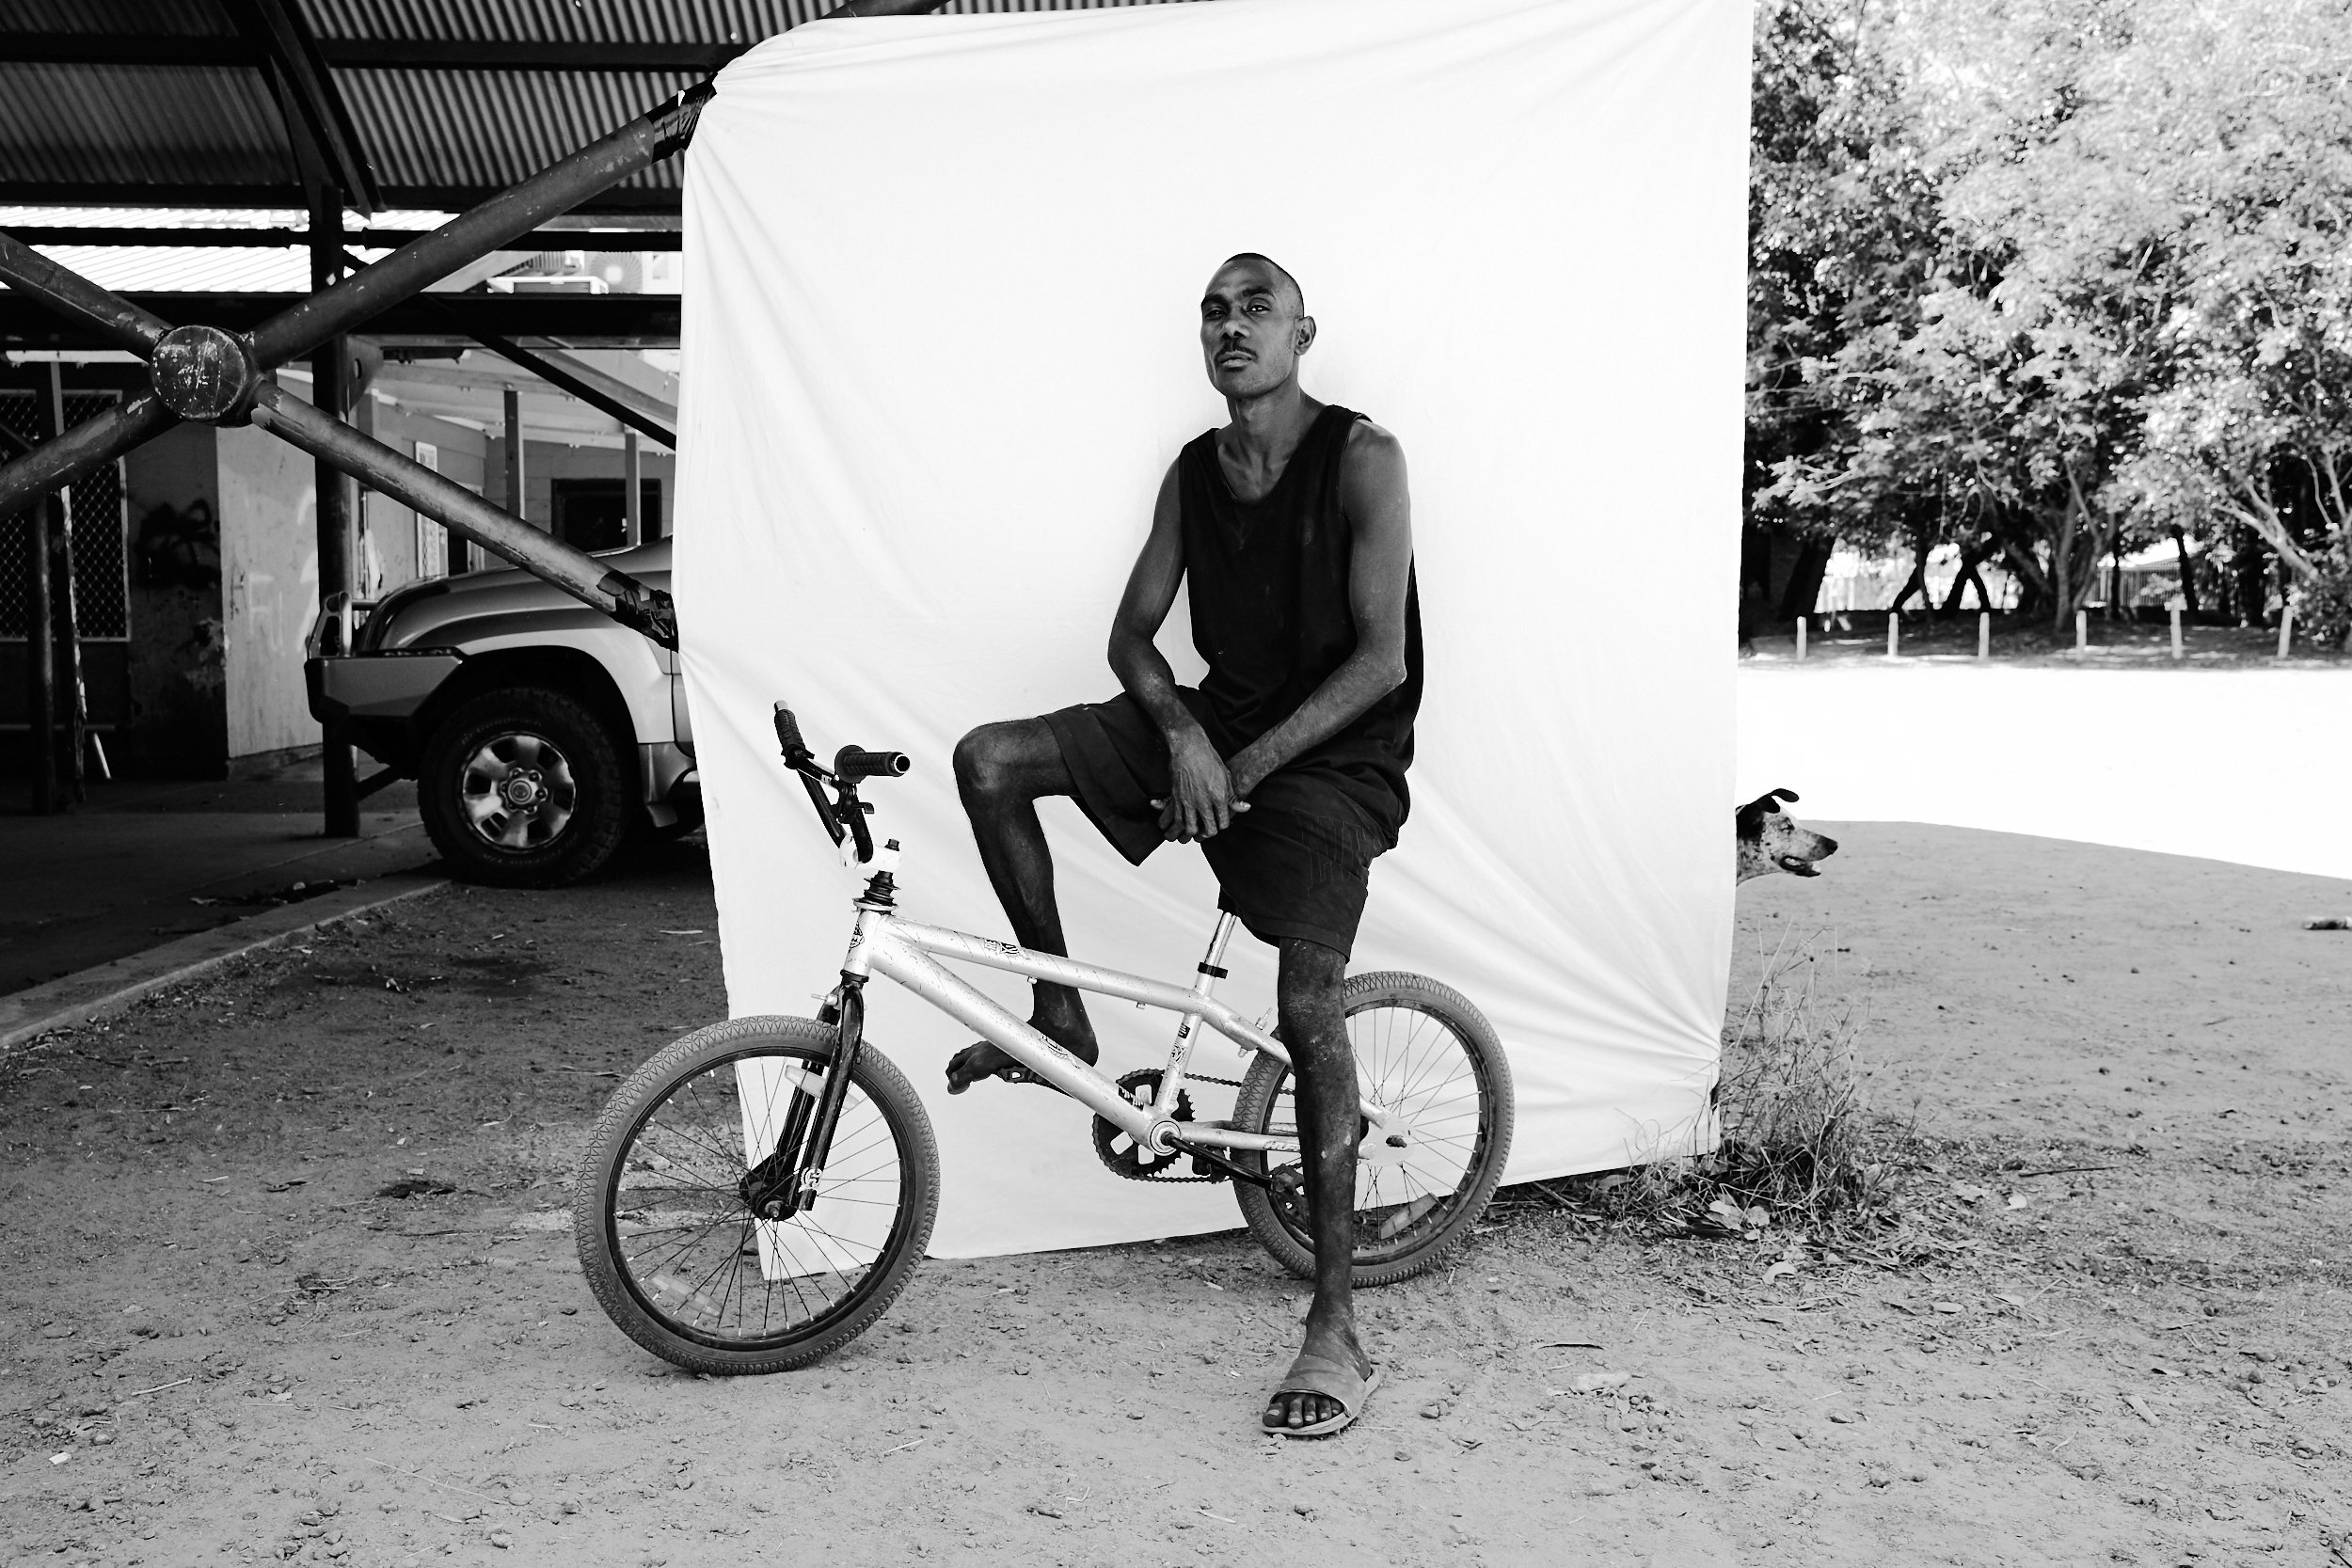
(412, 615)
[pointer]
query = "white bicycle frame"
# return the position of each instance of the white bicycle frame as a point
(888, 945)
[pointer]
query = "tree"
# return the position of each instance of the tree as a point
(2135, 312)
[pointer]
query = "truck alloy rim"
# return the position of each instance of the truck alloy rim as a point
(517, 791)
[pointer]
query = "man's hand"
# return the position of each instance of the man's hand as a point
(1201, 797)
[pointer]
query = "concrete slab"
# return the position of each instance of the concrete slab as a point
(143, 864)
(108, 988)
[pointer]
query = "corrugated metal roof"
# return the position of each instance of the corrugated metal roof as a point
(139, 125)
(121, 17)
(561, 21)
(478, 130)
(73, 130)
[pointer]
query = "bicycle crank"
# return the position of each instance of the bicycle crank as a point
(1123, 1156)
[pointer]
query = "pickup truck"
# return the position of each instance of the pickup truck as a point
(541, 734)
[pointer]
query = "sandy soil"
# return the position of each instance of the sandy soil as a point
(219, 1346)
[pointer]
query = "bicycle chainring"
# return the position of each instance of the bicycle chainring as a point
(1124, 1157)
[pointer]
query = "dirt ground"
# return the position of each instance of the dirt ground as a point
(218, 1345)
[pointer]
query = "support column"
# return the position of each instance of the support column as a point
(40, 686)
(329, 394)
(72, 689)
(633, 487)
(514, 476)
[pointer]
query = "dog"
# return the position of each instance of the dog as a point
(1770, 842)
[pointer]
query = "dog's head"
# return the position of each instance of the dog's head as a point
(1768, 841)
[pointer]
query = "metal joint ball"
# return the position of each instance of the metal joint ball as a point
(206, 374)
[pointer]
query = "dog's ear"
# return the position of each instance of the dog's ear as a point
(1749, 821)
(1784, 794)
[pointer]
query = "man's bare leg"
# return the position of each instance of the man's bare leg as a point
(1314, 1030)
(1002, 771)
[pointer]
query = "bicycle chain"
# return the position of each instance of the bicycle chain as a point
(1105, 1133)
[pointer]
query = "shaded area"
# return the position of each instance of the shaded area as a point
(142, 863)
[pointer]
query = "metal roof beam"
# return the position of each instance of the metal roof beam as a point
(369, 239)
(307, 95)
(584, 320)
(483, 55)
(126, 49)
(106, 49)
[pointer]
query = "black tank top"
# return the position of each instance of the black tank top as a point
(1268, 585)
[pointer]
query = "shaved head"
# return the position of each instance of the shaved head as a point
(1253, 326)
(1297, 300)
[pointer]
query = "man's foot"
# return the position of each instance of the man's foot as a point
(982, 1059)
(1325, 1387)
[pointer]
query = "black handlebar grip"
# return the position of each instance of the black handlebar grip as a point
(788, 735)
(854, 764)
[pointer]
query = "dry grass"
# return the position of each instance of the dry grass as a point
(1806, 1155)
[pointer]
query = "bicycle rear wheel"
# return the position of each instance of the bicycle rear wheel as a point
(677, 1258)
(1423, 1049)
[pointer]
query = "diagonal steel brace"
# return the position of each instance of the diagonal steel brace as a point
(213, 376)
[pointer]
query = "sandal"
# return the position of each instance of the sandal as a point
(1334, 1380)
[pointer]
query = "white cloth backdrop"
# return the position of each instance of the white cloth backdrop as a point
(940, 345)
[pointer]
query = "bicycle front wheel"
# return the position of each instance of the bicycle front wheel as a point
(680, 1262)
(1426, 1053)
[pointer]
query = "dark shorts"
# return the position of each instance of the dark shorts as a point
(1296, 864)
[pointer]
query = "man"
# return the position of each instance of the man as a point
(1287, 765)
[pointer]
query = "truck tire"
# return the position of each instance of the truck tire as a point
(524, 787)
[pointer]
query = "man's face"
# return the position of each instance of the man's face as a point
(1252, 331)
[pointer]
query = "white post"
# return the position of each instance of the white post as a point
(2177, 652)
(2082, 632)
(1803, 622)
(1894, 633)
(2286, 629)
(1984, 634)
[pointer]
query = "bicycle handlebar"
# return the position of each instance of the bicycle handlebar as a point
(844, 816)
(851, 763)
(796, 751)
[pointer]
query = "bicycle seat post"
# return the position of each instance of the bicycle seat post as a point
(1211, 970)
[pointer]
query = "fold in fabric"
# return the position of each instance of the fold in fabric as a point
(941, 345)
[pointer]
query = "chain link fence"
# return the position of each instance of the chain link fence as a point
(102, 595)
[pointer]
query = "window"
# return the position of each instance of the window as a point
(590, 515)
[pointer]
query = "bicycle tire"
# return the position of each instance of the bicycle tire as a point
(1417, 1240)
(668, 1306)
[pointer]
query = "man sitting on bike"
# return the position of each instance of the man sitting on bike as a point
(1294, 525)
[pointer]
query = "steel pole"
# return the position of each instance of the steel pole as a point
(61, 596)
(87, 446)
(40, 669)
(129, 327)
(598, 392)
(467, 515)
(516, 211)
(632, 491)
(330, 393)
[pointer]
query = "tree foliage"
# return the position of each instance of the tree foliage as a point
(2049, 279)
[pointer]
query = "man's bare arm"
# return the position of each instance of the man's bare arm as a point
(1201, 797)
(1379, 504)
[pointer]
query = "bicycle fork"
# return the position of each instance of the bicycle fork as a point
(784, 1183)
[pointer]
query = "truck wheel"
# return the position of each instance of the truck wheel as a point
(523, 788)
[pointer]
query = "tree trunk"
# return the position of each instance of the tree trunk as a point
(1918, 581)
(1804, 589)
(2062, 574)
(2189, 573)
(2030, 574)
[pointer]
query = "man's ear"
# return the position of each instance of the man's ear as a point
(1305, 334)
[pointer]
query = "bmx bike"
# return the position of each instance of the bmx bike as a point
(758, 1194)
